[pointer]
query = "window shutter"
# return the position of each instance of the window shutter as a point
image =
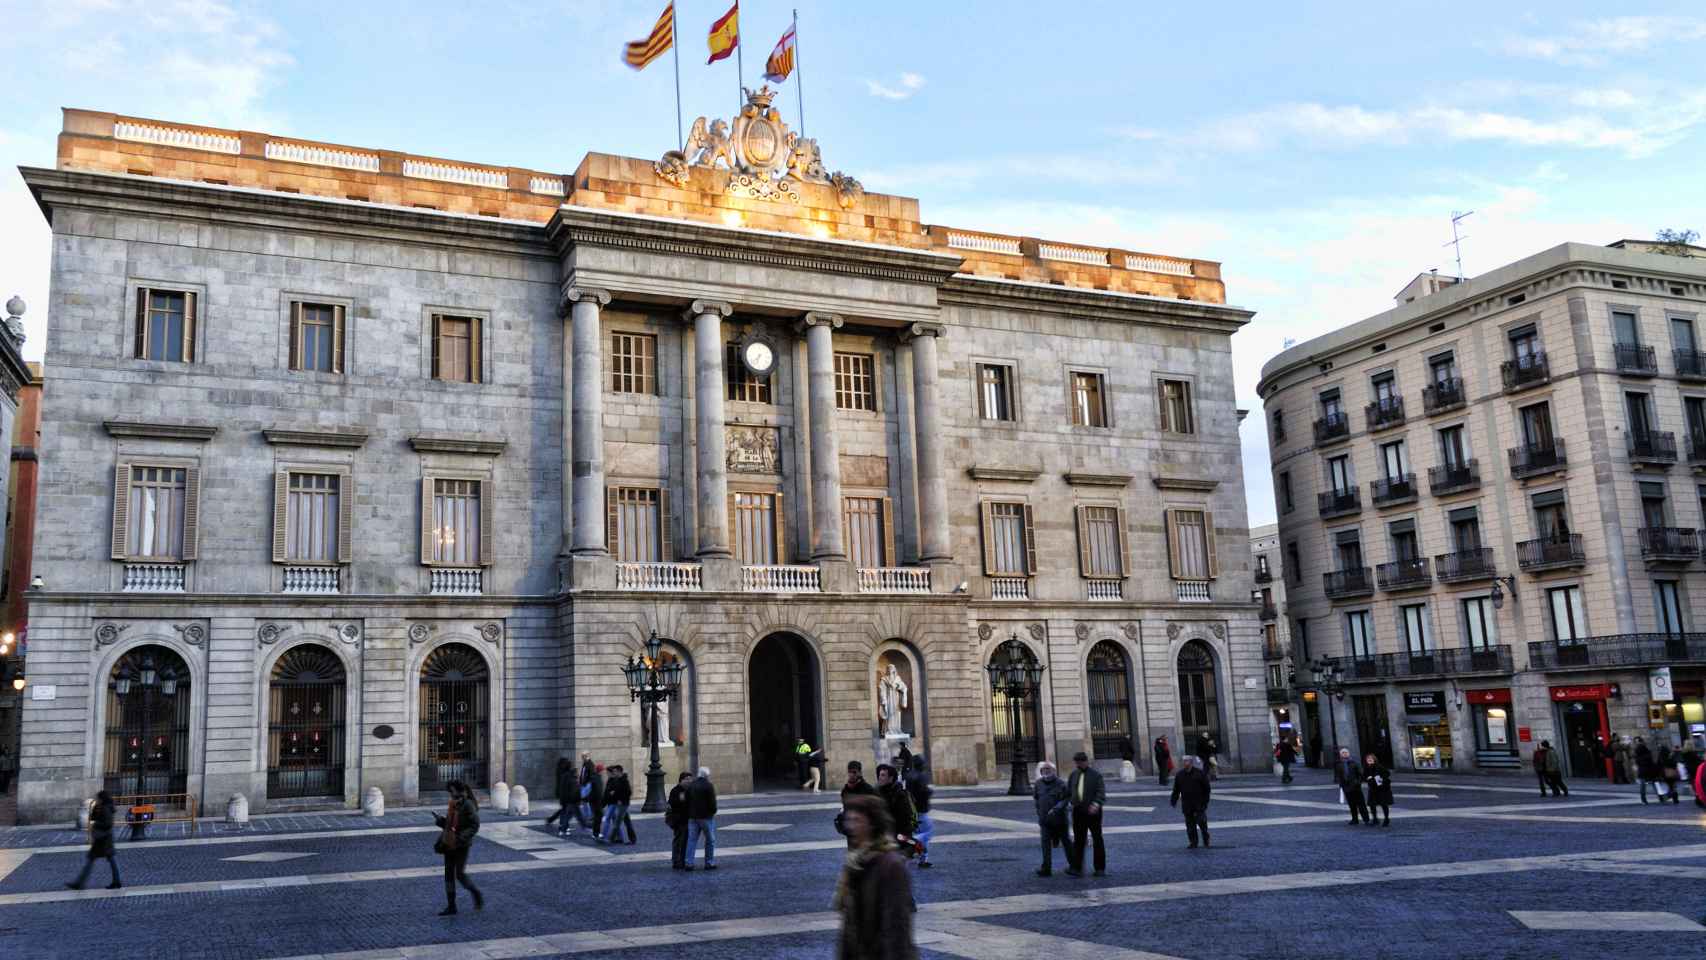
(666, 529)
(1173, 562)
(1161, 406)
(889, 558)
(1190, 410)
(192, 512)
(488, 511)
(1083, 523)
(1030, 541)
(338, 339)
(612, 510)
(141, 328)
(1208, 538)
(433, 328)
(988, 538)
(846, 525)
(295, 335)
(281, 516)
(346, 517)
(782, 551)
(734, 532)
(474, 335)
(1124, 543)
(189, 335)
(426, 520)
(121, 510)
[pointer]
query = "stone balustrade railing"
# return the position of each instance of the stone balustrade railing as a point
(321, 156)
(548, 185)
(667, 577)
(1094, 256)
(983, 242)
(177, 137)
(1192, 591)
(894, 579)
(781, 578)
(153, 578)
(1104, 590)
(449, 173)
(1009, 588)
(457, 582)
(311, 579)
(1175, 268)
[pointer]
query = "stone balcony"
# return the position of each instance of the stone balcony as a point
(153, 578)
(1346, 584)
(660, 577)
(1652, 448)
(894, 579)
(1393, 491)
(781, 578)
(1332, 428)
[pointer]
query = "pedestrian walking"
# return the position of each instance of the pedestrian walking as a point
(1192, 787)
(592, 788)
(1089, 794)
(917, 779)
(1552, 772)
(100, 841)
(804, 771)
(1647, 770)
(1206, 749)
(1348, 776)
(1378, 779)
(701, 819)
(1286, 755)
(902, 816)
(676, 817)
(1052, 801)
(873, 893)
(856, 784)
(617, 794)
(1622, 759)
(1163, 759)
(458, 825)
(1669, 775)
(568, 796)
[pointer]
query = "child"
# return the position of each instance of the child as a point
(1379, 780)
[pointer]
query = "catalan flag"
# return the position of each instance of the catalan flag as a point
(725, 34)
(781, 62)
(642, 52)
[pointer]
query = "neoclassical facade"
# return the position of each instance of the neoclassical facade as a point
(370, 469)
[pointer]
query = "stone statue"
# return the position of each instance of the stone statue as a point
(765, 159)
(891, 700)
(661, 734)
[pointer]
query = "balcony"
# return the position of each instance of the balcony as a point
(1536, 459)
(1264, 575)
(781, 578)
(1465, 565)
(659, 577)
(457, 582)
(1443, 395)
(1454, 478)
(1393, 490)
(1339, 503)
(1268, 612)
(1344, 584)
(1385, 413)
(1273, 650)
(311, 580)
(1620, 650)
(1280, 696)
(1528, 370)
(1192, 591)
(1104, 590)
(894, 580)
(1635, 360)
(1652, 448)
(1697, 448)
(1009, 588)
(1332, 428)
(1410, 573)
(1551, 553)
(1669, 544)
(1455, 662)
(1690, 364)
(153, 578)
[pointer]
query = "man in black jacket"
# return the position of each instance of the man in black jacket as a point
(568, 797)
(1052, 802)
(617, 794)
(856, 782)
(1191, 785)
(917, 779)
(1088, 794)
(899, 802)
(676, 818)
(594, 787)
(701, 819)
(1348, 775)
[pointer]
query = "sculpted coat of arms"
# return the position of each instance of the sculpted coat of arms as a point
(766, 160)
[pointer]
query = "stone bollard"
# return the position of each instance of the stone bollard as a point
(1128, 772)
(518, 801)
(83, 815)
(373, 803)
(500, 796)
(237, 809)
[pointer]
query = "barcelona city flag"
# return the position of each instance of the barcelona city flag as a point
(641, 52)
(725, 34)
(781, 62)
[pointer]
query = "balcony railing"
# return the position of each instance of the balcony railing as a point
(1280, 696)
(1476, 564)
(1697, 448)
(1384, 413)
(306, 580)
(780, 578)
(1104, 590)
(1406, 574)
(1534, 459)
(1690, 364)
(1273, 650)
(1392, 491)
(457, 582)
(1635, 359)
(1653, 448)
(1443, 395)
(1332, 427)
(1264, 575)
(1454, 478)
(1340, 584)
(1670, 544)
(1619, 650)
(1339, 503)
(1192, 591)
(894, 579)
(1457, 661)
(153, 578)
(1528, 370)
(1549, 553)
(660, 577)
(1009, 588)
(1269, 612)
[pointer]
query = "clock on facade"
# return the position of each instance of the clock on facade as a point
(759, 356)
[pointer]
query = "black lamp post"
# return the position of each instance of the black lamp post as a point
(651, 682)
(1015, 675)
(150, 679)
(1330, 680)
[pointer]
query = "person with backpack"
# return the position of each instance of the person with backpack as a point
(898, 800)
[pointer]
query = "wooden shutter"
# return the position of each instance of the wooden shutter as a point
(192, 512)
(346, 517)
(612, 509)
(337, 339)
(488, 511)
(1188, 411)
(1208, 538)
(889, 558)
(1030, 541)
(121, 510)
(141, 327)
(189, 344)
(1125, 545)
(295, 335)
(1173, 561)
(782, 551)
(281, 516)
(988, 522)
(666, 531)
(1161, 422)
(474, 349)
(846, 526)
(1083, 540)
(433, 336)
(426, 515)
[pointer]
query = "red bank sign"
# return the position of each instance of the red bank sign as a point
(1597, 691)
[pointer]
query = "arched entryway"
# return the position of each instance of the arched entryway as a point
(1199, 701)
(782, 687)
(148, 723)
(305, 729)
(455, 709)
(1108, 675)
(1030, 728)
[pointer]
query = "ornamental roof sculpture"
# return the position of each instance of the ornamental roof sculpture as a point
(765, 160)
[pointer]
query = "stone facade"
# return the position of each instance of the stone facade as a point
(548, 614)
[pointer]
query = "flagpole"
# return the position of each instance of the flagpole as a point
(675, 47)
(799, 81)
(740, 65)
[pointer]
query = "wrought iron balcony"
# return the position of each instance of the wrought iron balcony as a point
(1534, 459)
(1269, 612)
(1670, 544)
(1407, 574)
(1384, 413)
(1280, 696)
(1551, 553)
(1458, 661)
(1454, 478)
(1464, 565)
(1652, 448)
(1619, 650)
(1528, 370)
(1339, 503)
(1331, 428)
(1690, 364)
(1697, 448)
(1264, 575)
(1635, 359)
(1393, 490)
(1443, 395)
(1342, 584)
(1273, 650)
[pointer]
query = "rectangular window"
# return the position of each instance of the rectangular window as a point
(456, 348)
(317, 337)
(1330, 404)
(1385, 389)
(855, 381)
(1480, 623)
(1453, 452)
(165, 325)
(1339, 475)
(1302, 635)
(1569, 617)
(1293, 564)
(756, 517)
(456, 523)
(869, 539)
(1465, 529)
(1348, 544)
(313, 513)
(995, 391)
(1694, 409)
(1088, 403)
(1359, 630)
(1640, 410)
(1190, 536)
(1653, 505)
(743, 385)
(1623, 324)
(635, 524)
(1286, 502)
(1279, 426)
(1525, 342)
(1009, 550)
(1682, 334)
(1536, 424)
(1442, 367)
(1405, 546)
(1176, 407)
(1418, 639)
(1551, 515)
(1101, 542)
(1394, 460)
(156, 508)
(1667, 606)
(633, 363)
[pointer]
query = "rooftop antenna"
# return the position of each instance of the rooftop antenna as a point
(1457, 239)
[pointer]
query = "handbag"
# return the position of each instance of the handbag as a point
(447, 840)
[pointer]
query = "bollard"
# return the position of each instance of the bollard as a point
(500, 796)
(237, 809)
(518, 801)
(1128, 772)
(373, 803)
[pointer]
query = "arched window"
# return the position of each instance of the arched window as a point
(148, 723)
(1110, 699)
(305, 735)
(455, 689)
(1030, 731)
(1199, 707)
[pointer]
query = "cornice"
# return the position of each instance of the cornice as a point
(1193, 484)
(1010, 474)
(457, 443)
(334, 437)
(159, 431)
(1098, 479)
(1078, 302)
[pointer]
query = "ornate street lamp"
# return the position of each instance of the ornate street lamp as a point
(150, 679)
(1015, 675)
(651, 682)
(1330, 679)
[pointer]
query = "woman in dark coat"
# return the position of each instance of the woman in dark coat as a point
(1646, 771)
(568, 796)
(1379, 780)
(1668, 775)
(100, 841)
(460, 823)
(874, 893)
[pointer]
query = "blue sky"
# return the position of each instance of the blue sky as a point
(1317, 150)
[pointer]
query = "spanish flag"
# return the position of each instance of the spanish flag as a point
(725, 34)
(781, 62)
(642, 52)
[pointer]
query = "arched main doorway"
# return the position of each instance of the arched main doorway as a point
(305, 730)
(148, 723)
(455, 707)
(1199, 703)
(1030, 730)
(1109, 679)
(782, 687)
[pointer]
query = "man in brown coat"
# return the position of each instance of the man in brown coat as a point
(874, 893)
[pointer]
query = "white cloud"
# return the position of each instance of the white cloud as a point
(1593, 43)
(910, 83)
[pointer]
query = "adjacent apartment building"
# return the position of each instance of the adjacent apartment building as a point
(1490, 501)
(1285, 706)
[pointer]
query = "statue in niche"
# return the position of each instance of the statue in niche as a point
(663, 737)
(893, 702)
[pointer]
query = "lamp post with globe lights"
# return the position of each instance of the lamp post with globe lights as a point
(651, 681)
(1015, 675)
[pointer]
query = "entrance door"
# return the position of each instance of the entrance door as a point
(305, 732)
(1581, 732)
(1373, 734)
(782, 684)
(455, 693)
(148, 723)
(1199, 704)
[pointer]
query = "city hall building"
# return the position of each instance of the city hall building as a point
(365, 469)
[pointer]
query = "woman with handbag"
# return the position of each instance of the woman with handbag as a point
(1379, 780)
(459, 825)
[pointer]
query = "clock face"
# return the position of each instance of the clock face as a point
(759, 357)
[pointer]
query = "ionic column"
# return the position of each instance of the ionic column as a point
(707, 317)
(826, 450)
(933, 544)
(587, 430)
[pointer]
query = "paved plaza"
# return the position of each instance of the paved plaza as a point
(1471, 867)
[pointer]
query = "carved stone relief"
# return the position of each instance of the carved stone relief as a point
(109, 633)
(754, 449)
(864, 471)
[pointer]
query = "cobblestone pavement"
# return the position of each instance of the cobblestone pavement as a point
(1471, 867)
